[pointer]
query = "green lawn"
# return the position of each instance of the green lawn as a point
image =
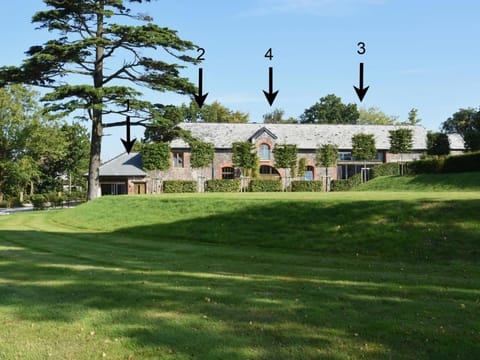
(425, 182)
(244, 276)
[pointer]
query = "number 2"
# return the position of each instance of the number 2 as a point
(202, 52)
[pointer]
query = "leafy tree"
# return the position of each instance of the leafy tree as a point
(326, 156)
(465, 122)
(276, 117)
(401, 142)
(413, 118)
(363, 148)
(202, 154)
(330, 110)
(214, 113)
(97, 41)
(302, 167)
(155, 156)
(437, 144)
(286, 158)
(244, 157)
(374, 116)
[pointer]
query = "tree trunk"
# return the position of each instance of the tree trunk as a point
(94, 189)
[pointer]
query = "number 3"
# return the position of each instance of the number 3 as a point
(362, 49)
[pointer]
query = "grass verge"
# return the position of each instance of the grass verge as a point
(285, 276)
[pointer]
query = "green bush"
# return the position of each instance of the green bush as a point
(426, 166)
(39, 201)
(348, 184)
(265, 185)
(310, 186)
(462, 163)
(179, 186)
(4, 204)
(387, 169)
(230, 185)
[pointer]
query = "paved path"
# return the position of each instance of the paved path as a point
(9, 211)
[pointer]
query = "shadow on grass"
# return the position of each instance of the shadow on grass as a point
(331, 282)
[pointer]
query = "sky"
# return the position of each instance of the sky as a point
(422, 54)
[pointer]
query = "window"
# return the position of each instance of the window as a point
(228, 173)
(268, 172)
(114, 189)
(178, 159)
(309, 173)
(345, 156)
(264, 152)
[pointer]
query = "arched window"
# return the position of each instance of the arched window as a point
(309, 173)
(228, 172)
(264, 152)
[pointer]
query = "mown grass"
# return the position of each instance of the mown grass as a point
(244, 276)
(424, 182)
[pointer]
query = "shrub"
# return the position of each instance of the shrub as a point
(39, 201)
(265, 185)
(179, 186)
(348, 184)
(231, 185)
(388, 169)
(4, 204)
(462, 163)
(426, 166)
(310, 186)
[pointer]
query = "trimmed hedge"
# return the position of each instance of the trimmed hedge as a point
(387, 169)
(179, 186)
(310, 186)
(348, 184)
(230, 185)
(426, 166)
(265, 185)
(462, 163)
(451, 164)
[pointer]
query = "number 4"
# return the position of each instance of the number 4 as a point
(269, 54)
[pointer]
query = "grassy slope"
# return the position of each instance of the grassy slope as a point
(247, 276)
(425, 182)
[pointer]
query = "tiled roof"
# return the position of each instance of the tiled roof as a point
(123, 165)
(305, 136)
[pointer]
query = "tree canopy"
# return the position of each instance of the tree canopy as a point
(98, 41)
(375, 116)
(465, 122)
(35, 150)
(363, 147)
(277, 117)
(330, 110)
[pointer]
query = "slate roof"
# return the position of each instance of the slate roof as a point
(123, 165)
(305, 136)
(456, 142)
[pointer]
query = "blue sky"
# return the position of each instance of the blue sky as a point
(422, 54)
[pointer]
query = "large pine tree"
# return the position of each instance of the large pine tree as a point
(96, 42)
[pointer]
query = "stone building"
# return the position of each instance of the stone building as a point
(308, 139)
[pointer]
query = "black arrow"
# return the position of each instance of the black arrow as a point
(128, 144)
(361, 92)
(200, 99)
(270, 95)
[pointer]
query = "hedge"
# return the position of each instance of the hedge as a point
(462, 163)
(426, 166)
(311, 186)
(265, 185)
(387, 169)
(39, 201)
(348, 184)
(451, 164)
(230, 185)
(179, 186)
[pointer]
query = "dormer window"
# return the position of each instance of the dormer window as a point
(264, 152)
